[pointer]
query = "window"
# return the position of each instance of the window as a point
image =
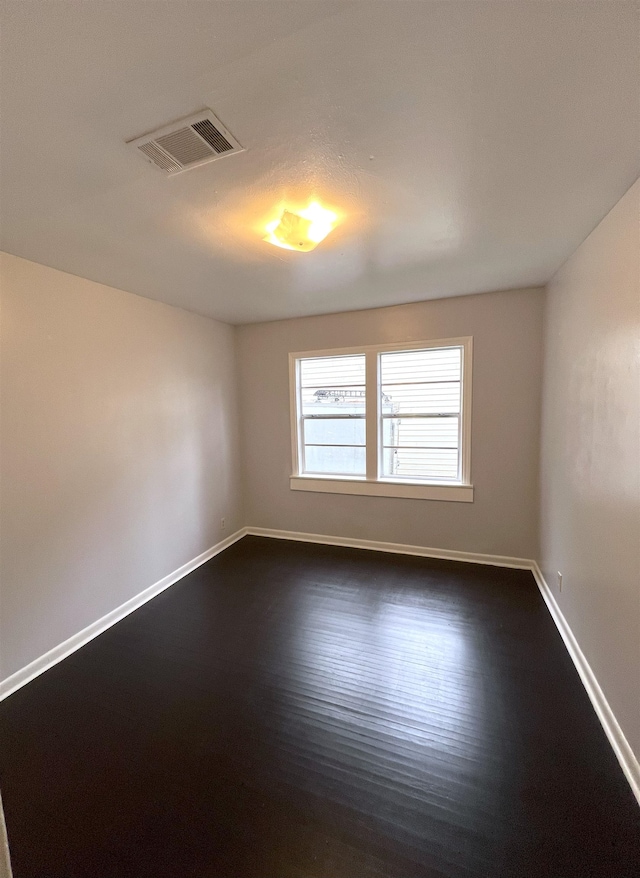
(390, 420)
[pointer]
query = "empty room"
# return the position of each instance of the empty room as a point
(320, 439)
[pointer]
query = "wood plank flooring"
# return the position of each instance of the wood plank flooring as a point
(303, 711)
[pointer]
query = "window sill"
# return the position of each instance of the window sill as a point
(408, 490)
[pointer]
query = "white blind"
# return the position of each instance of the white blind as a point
(332, 397)
(420, 407)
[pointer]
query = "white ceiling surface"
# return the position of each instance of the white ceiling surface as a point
(470, 146)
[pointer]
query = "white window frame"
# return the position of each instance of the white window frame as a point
(373, 484)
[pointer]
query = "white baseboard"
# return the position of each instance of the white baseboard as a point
(55, 655)
(58, 653)
(5, 863)
(395, 548)
(625, 755)
(621, 747)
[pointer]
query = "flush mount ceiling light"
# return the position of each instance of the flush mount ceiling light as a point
(303, 229)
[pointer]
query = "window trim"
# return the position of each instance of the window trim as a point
(461, 491)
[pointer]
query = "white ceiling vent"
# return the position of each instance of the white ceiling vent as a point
(187, 143)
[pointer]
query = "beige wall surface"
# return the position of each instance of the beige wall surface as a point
(119, 450)
(590, 471)
(507, 337)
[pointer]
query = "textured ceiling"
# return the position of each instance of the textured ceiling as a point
(468, 146)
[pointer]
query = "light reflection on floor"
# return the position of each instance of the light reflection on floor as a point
(374, 695)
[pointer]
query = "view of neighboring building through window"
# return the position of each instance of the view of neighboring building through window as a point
(418, 400)
(421, 431)
(333, 401)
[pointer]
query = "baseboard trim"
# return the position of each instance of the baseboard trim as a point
(395, 548)
(20, 678)
(5, 862)
(621, 747)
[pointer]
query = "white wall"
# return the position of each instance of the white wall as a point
(507, 338)
(119, 450)
(120, 444)
(590, 503)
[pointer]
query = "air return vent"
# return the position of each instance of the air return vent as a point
(187, 143)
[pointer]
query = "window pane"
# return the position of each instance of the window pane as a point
(435, 364)
(333, 460)
(330, 371)
(420, 432)
(426, 382)
(422, 398)
(343, 431)
(420, 463)
(333, 400)
(420, 407)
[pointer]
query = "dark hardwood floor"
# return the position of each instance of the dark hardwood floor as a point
(303, 711)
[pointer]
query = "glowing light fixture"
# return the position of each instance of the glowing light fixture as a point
(302, 230)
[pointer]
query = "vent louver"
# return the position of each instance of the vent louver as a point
(160, 158)
(187, 143)
(213, 137)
